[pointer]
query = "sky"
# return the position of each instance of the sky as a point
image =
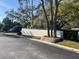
(6, 5)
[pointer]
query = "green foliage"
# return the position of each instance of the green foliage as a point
(69, 12)
(67, 16)
(27, 24)
(71, 9)
(7, 24)
(39, 23)
(6, 21)
(10, 26)
(1, 25)
(16, 28)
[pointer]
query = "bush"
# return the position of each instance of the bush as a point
(1, 25)
(16, 29)
(8, 24)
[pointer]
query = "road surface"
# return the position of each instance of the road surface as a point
(13, 47)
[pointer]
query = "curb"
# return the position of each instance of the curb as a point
(57, 45)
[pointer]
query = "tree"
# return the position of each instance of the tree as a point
(17, 16)
(27, 7)
(54, 10)
(16, 28)
(46, 16)
(54, 16)
(68, 14)
(1, 25)
(7, 24)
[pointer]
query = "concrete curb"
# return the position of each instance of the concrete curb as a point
(57, 45)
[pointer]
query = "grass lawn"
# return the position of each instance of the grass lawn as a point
(11, 33)
(71, 44)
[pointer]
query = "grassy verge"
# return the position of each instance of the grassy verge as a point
(36, 37)
(71, 44)
(48, 39)
(67, 43)
(44, 38)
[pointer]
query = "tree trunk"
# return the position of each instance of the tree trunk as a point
(48, 27)
(32, 16)
(55, 18)
(51, 22)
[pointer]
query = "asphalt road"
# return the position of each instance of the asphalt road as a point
(24, 48)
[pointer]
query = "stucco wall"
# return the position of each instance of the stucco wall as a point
(34, 32)
(38, 32)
